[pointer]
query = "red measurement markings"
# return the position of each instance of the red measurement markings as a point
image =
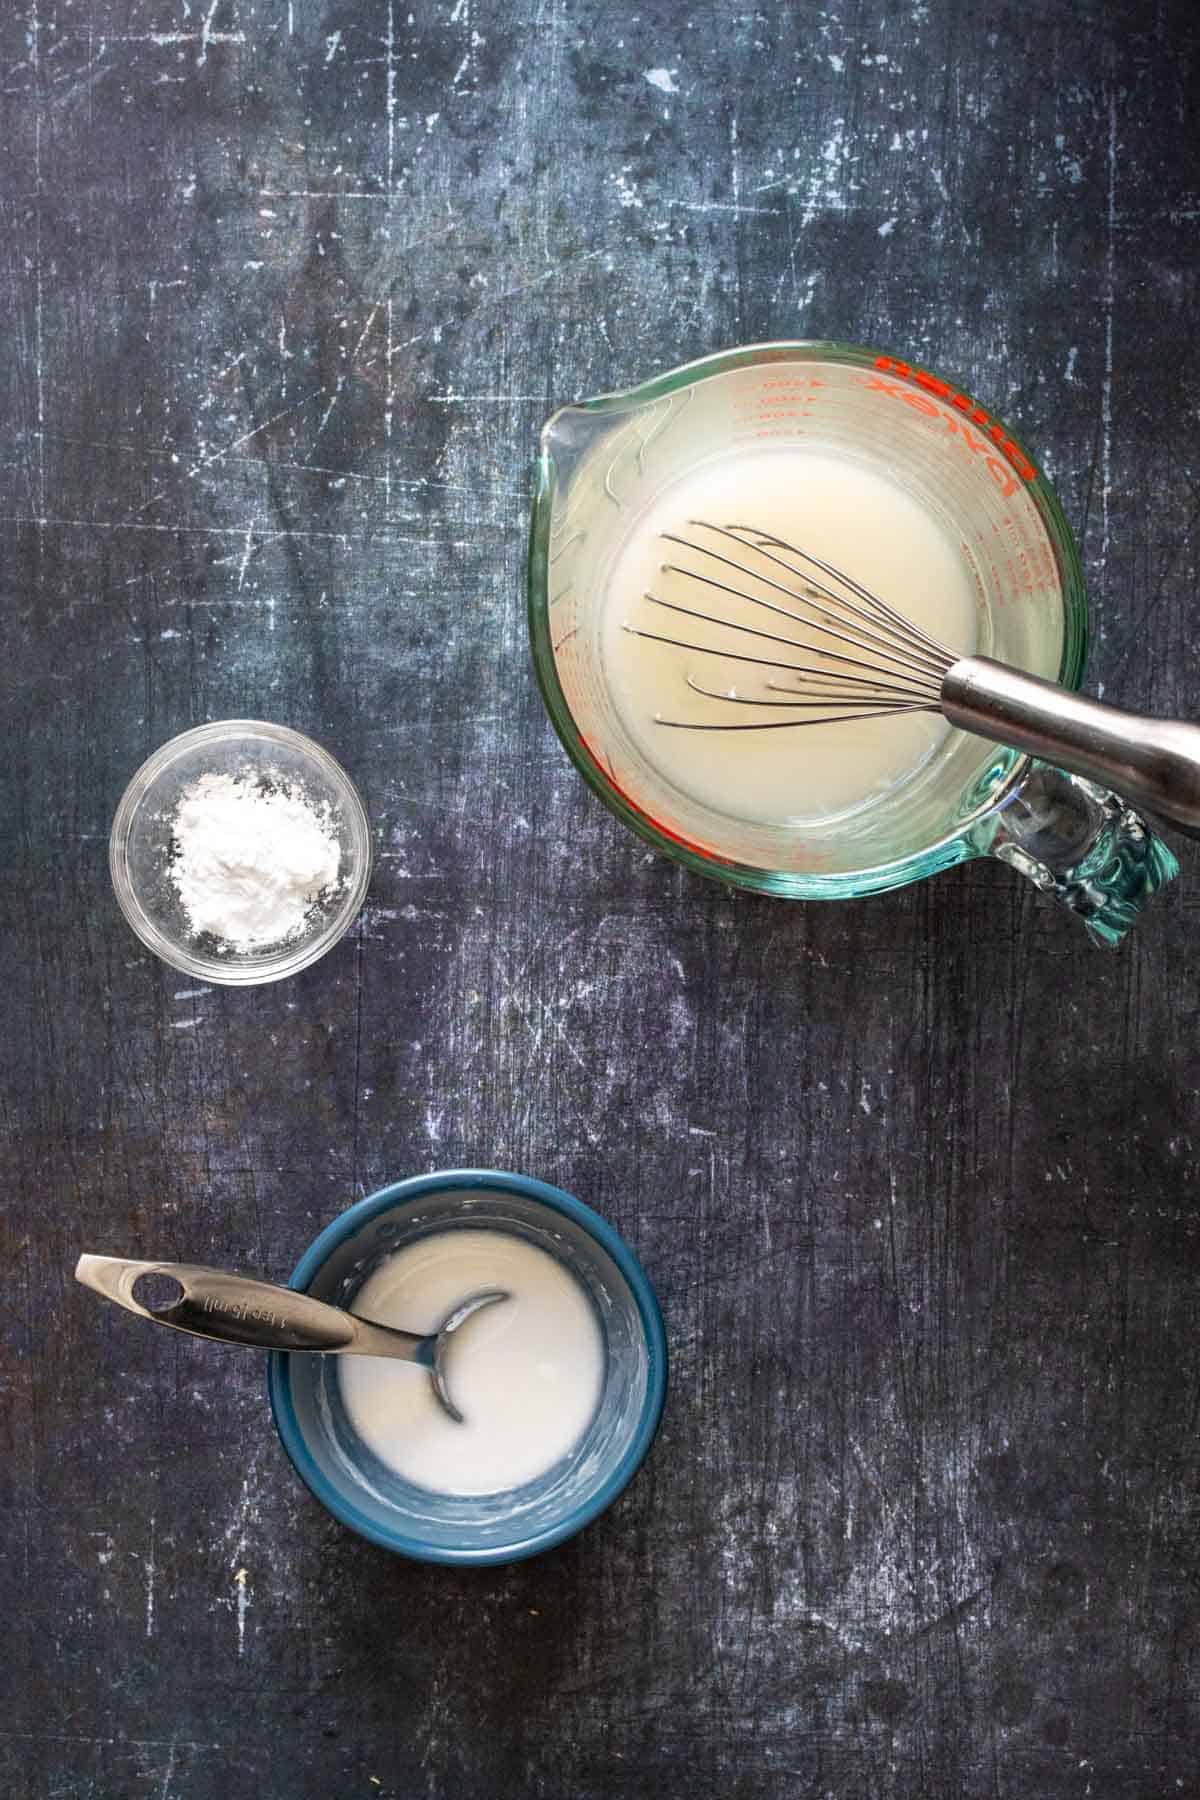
(605, 769)
(792, 383)
(776, 400)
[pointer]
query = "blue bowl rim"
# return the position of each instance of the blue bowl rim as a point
(283, 1410)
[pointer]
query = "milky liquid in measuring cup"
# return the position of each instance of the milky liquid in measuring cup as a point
(837, 508)
(526, 1374)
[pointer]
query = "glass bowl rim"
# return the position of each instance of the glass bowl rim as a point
(274, 965)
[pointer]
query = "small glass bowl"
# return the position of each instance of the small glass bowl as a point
(349, 1479)
(139, 847)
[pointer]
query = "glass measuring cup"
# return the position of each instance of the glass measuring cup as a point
(605, 461)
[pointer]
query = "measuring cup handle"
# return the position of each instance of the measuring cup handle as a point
(1077, 841)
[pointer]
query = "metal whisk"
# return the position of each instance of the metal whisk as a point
(830, 651)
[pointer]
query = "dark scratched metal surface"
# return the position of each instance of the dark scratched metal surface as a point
(288, 287)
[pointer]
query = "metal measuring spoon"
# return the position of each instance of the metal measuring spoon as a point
(232, 1309)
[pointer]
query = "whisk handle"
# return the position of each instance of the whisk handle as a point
(1153, 763)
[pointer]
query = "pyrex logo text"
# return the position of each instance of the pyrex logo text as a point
(968, 410)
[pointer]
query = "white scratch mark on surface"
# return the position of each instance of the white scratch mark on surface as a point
(184, 1024)
(1110, 296)
(243, 1603)
(331, 193)
(663, 79)
(887, 228)
(190, 993)
(389, 396)
(344, 378)
(245, 1514)
(830, 182)
(475, 42)
(332, 43)
(285, 356)
(344, 538)
(169, 1771)
(206, 34)
(151, 1574)
(453, 399)
(216, 456)
(1072, 353)
(96, 1740)
(35, 59)
(166, 39)
(729, 206)
(390, 44)
(247, 552)
(627, 192)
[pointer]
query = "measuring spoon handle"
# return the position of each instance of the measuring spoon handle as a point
(232, 1309)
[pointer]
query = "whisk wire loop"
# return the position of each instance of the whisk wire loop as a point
(882, 664)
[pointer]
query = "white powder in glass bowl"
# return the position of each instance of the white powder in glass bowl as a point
(252, 856)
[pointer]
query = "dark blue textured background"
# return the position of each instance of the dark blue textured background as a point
(288, 288)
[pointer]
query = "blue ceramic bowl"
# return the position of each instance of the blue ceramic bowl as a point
(363, 1492)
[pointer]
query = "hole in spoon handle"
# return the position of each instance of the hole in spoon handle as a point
(156, 1291)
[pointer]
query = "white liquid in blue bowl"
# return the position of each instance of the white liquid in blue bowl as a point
(358, 1481)
(526, 1374)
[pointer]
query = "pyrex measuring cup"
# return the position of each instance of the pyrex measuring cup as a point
(604, 461)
